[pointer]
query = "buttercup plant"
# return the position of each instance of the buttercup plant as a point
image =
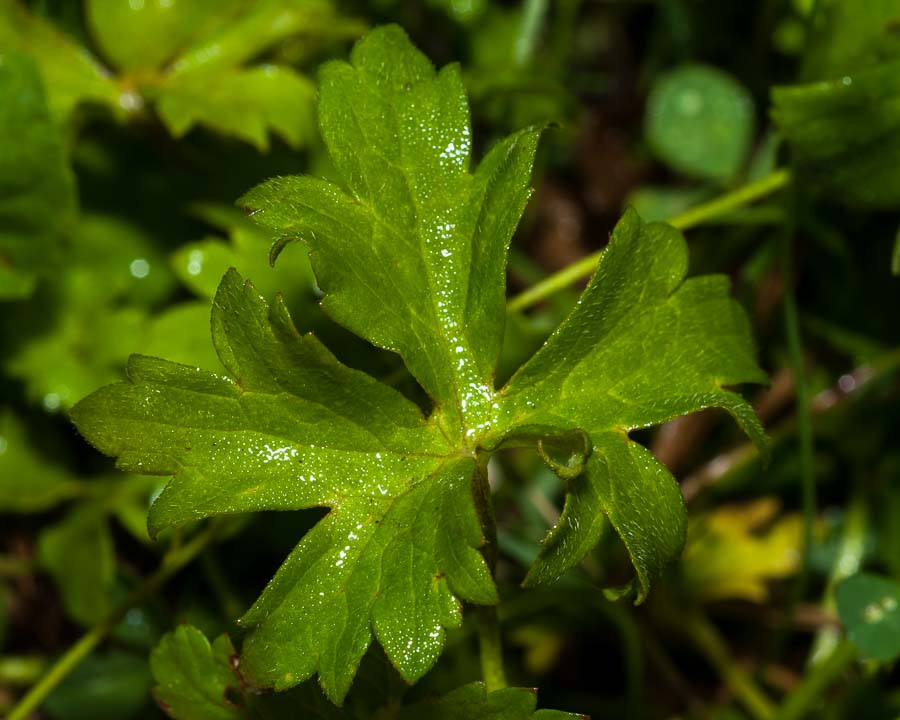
(411, 254)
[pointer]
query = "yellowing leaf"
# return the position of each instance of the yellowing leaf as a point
(736, 550)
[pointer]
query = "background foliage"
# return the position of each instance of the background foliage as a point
(768, 130)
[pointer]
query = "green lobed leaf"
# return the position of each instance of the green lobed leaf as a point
(642, 346)
(699, 121)
(412, 257)
(37, 190)
(431, 237)
(869, 608)
(196, 680)
(844, 137)
(292, 428)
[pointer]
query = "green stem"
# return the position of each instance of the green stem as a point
(489, 641)
(803, 410)
(490, 649)
(683, 221)
(174, 560)
(533, 13)
(707, 640)
(733, 200)
(847, 561)
(802, 701)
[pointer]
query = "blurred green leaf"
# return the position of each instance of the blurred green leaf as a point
(114, 260)
(146, 34)
(85, 347)
(243, 103)
(844, 135)
(192, 59)
(30, 481)
(257, 26)
(108, 686)
(765, 156)
(509, 94)
(849, 35)
(173, 334)
(210, 84)
(78, 553)
(196, 680)
(699, 121)
(37, 190)
(869, 608)
(463, 11)
(78, 330)
(69, 73)
(201, 265)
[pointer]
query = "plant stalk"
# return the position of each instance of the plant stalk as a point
(490, 649)
(805, 448)
(173, 561)
(533, 14)
(707, 640)
(847, 561)
(489, 641)
(803, 408)
(683, 221)
(801, 703)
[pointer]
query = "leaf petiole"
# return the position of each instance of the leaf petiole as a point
(490, 649)
(489, 642)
